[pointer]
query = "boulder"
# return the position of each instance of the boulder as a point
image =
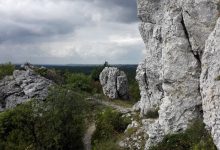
(22, 86)
(114, 83)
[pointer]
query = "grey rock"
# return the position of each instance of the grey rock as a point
(114, 83)
(175, 33)
(22, 86)
(210, 84)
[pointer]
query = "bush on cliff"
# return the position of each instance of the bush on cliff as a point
(6, 69)
(194, 138)
(57, 123)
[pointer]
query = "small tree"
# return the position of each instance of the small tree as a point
(96, 72)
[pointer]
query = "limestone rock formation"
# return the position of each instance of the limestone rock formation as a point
(22, 86)
(114, 83)
(175, 33)
(210, 84)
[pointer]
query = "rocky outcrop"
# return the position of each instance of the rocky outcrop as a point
(210, 84)
(175, 33)
(114, 83)
(22, 86)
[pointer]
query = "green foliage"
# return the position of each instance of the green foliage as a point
(50, 74)
(96, 72)
(6, 69)
(107, 145)
(79, 81)
(108, 124)
(134, 91)
(217, 78)
(194, 138)
(152, 114)
(57, 123)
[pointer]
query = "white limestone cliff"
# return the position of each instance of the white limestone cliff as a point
(175, 33)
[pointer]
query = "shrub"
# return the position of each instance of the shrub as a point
(96, 72)
(57, 123)
(6, 69)
(195, 138)
(50, 74)
(134, 91)
(108, 124)
(79, 81)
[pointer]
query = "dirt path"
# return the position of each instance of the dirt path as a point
(88, 136)
(91, 129)
(121, 109)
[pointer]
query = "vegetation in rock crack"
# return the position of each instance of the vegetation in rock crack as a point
(217, 78)
(109, 125)
(152, 114)
(196, 137)
(6, 69)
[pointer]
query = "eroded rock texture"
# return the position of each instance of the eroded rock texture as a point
(175, 33)
(22, 86)
(114, 83)
(210, 84)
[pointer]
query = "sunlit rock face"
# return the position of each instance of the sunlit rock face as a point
(22, 86)
(114, 83)
(175, 33)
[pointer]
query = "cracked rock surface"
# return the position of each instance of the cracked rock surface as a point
(175, 33)
(114, 83)
(22, 86)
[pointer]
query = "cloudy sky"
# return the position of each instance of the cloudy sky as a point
(69, 31)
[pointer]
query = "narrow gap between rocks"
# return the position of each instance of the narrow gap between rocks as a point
(195, 54)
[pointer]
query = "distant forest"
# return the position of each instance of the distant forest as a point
(130, 70)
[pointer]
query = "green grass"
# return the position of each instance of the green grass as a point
(123, 103)
(194, 138)
(107, 145)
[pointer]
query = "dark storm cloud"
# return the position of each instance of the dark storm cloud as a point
(124, 9)
(34, 31)
(69, 31)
